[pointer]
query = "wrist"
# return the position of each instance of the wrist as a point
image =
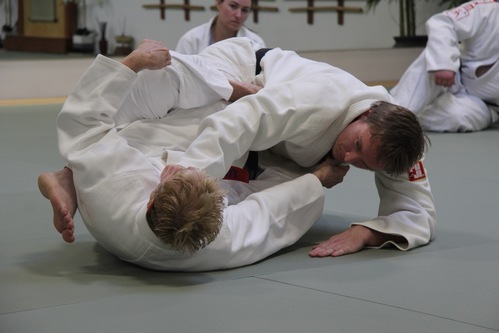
(373, 238)
(132, 62)
(318, 175)
(366, 235)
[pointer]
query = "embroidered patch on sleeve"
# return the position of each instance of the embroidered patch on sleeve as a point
(417, 172)
(463, 11)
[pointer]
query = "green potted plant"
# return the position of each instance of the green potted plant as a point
(407, 21)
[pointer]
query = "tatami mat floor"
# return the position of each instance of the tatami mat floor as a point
(451, 285)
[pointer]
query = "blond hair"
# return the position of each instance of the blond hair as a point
(187, 212)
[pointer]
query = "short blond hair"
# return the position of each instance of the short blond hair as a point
(187, 213)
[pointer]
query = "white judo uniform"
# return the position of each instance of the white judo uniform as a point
(461, 40)
(299, 113)
(115, 171)
(198, 38)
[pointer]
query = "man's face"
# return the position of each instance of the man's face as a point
(355, 146)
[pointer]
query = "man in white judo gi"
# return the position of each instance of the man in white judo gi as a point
(308, 110)
(342, 113)
(116, 175)
(453, 86)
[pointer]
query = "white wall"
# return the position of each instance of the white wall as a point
(283, 29)
(54, 78)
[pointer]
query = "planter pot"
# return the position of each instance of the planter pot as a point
(84, 43)
(103, 46)
(410, 41)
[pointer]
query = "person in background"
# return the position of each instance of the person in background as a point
(453, 86)
(228, 23)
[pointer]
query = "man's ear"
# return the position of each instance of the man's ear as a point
(366, 113)
(359, 117)
(150, 204)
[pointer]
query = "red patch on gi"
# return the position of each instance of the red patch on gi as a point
(239, 174)
(417, 172)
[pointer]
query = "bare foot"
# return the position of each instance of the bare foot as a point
(59, 188)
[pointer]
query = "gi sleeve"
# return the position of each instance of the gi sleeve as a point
(254, 122)
(87, 136)
(89, 111)
(271, 219)
(406, 208)
(445, 30)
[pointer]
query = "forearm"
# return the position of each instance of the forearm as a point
(241, 89)
(406, 209)
(256, 122)
(87, 136)
(373, 238)
(406, 220)
(272, 219)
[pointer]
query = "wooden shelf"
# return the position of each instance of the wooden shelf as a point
(51, 37)
(15, 42)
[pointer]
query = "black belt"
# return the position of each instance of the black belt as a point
(259, 55)
(252, 162)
